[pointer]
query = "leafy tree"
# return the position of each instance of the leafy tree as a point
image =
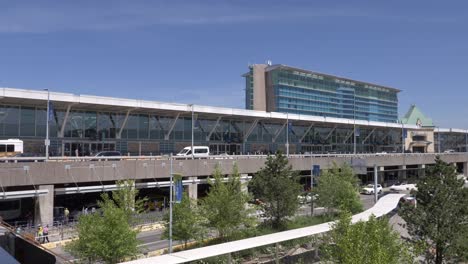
(338, 188)
(224, 207)
(440, 217)
(365, 242)
(125, 197)
(107, 237)
(185, 221)
(277, 185)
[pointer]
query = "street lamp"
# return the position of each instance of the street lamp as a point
(354, 123)
(192, 130)
(170, 205)
(287, 134)
(438, 139)
(47, 140)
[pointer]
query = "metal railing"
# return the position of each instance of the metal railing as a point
(214, 157)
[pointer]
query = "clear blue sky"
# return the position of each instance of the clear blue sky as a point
(196, 51)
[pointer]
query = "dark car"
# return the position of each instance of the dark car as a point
(29, 157)
(104, 154)
(108, 154)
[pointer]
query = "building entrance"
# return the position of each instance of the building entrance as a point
(231, 149)
(82, 148)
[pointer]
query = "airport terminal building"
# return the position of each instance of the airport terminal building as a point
(84, 125)
(281, 88)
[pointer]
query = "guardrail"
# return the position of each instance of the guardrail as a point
(384, 206)
(213, 157)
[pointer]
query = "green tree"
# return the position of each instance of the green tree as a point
(440, 218)
(338, 188)
(278, 187)
(107, 237)
(371, 242)
(125, 197)
(224, 207)
(185, 221)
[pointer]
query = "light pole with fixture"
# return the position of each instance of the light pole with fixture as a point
(47, 140)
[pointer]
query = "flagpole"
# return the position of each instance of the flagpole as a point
(47, 141)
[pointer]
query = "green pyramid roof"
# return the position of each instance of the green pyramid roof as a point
(414, 116)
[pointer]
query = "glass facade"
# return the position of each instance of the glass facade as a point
(303, 92)
(445, 141)
(147, 133)
(249, 90)
(88, 131)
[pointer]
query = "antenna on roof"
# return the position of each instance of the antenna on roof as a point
(269, 62)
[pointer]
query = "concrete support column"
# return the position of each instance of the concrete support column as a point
(44, 207)
(193, 189)
(244, 184)
(402, 173)
(465, 169)
(381, 174)
(421, 171)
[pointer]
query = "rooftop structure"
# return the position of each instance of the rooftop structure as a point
(414, 116)
(281, 88)
(91, 124)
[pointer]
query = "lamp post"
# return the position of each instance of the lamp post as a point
(354, 123)
(287, 134)
(438, 139)
(402, 138)
(192, 130)
(170, 206)
(47, 140)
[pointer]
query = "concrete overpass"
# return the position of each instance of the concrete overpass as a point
(23, 177)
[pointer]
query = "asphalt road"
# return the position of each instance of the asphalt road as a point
(151, 240)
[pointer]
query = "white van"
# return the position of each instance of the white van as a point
(10, 147)
(199, 151)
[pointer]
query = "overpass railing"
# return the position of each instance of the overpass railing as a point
(213, 157)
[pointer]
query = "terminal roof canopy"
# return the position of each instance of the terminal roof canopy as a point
(414, 116)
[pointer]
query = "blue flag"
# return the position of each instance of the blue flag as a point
(179, 190)
(316, 170)
(358, 132)
(405, 133)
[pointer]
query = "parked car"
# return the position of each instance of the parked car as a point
(449, 151)
(369, 189)
(398, 187)
(306, 198)
(199, 151)
(381, 153)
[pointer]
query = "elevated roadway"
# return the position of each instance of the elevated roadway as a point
(57, 171)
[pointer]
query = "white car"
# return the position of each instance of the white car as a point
(397, 187)
(369, 189)
(306, 198)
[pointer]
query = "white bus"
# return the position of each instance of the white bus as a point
(10, 147)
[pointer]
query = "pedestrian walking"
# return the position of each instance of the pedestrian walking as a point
(45, 233)
(66, 214)
(40, 233)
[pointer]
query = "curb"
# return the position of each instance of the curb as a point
(142, 228)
